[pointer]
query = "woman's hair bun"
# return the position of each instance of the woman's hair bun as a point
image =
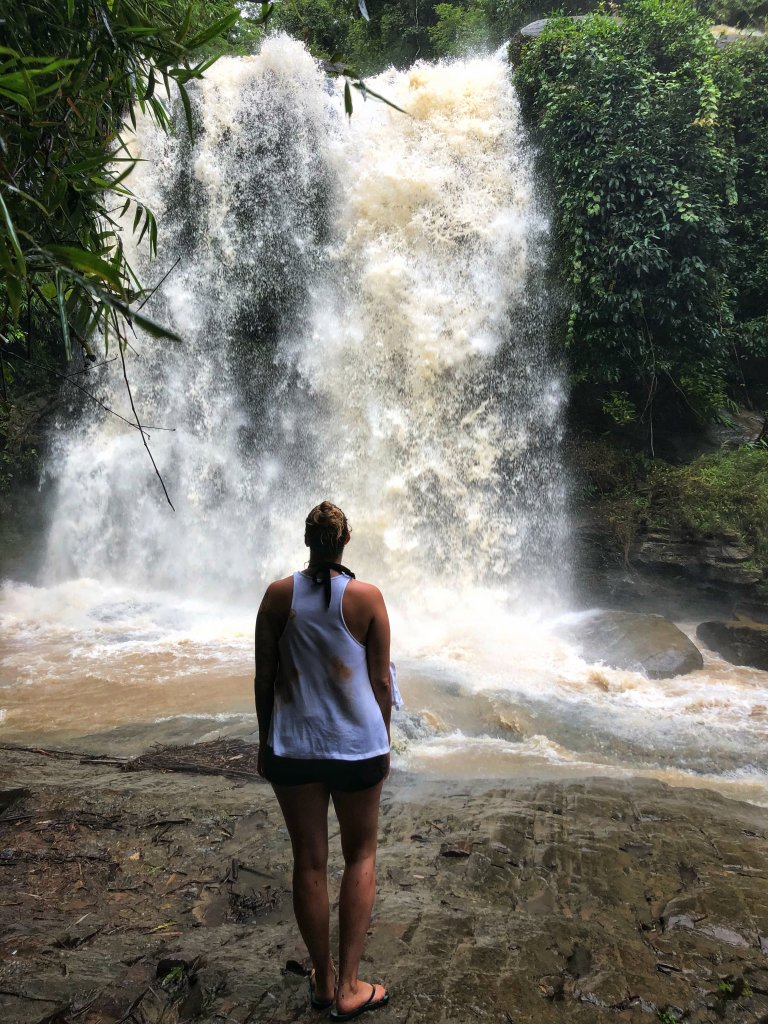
(325, 528)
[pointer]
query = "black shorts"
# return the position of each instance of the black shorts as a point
(343, 776)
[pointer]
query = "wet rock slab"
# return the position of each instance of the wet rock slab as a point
(739, 642)
(148, 897)
(633, 641)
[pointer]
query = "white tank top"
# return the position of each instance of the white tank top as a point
(324, 704)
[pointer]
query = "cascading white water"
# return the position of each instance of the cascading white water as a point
(360, 321)
(363, 320)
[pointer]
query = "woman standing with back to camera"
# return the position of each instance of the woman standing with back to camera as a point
(323, 700)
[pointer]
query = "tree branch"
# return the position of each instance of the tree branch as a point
(71, 380)
(141, 429)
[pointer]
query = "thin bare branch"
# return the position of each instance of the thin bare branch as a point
(142, 431)
(161, 281)
(70, 379)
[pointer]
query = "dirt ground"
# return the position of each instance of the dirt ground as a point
(153, 897)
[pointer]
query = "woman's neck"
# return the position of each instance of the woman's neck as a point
(315, 561)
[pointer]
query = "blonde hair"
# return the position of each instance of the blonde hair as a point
(325, 528)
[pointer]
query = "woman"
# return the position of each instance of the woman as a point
(323, 701)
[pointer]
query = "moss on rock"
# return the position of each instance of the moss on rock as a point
(705, 521)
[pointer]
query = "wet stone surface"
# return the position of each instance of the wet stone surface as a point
(148, 898)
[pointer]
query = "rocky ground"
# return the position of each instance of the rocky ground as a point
(146, 897)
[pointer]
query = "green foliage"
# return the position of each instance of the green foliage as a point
(740, 13)
(725, 492)
(745, 68)
(667, 1017)
(397, 33)
(324, 25)
(629, 117)
(71, 75)
(619, 407)
(459, 27)
(506, 17)
(721, 493)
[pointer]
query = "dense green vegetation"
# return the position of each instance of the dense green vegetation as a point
(658, 218)
(654, 143)
(745, 110)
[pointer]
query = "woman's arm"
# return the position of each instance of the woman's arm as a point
(377, 655)
(267, 661)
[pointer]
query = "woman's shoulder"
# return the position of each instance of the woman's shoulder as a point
(363, 591)
(278, 593)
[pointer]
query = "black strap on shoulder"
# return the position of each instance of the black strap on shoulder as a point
(321, 573)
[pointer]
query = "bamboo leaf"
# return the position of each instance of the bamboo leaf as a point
(29, 198)
(17, 98)
(369, 92)
(347, 99)
(150, 326)
(13, 288)
(216, 29)
(12, 238)
(63, 319)
(185, 24)
(87, 263)
(5, 260)
(187, 108)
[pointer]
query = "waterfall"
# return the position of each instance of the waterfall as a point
(363, 319)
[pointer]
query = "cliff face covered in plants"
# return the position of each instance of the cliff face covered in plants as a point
(654, 143)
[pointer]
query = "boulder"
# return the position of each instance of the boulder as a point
(629, 640)
(740, 642)
(727, 34)
(537, 28)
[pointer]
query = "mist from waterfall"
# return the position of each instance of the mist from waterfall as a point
(363, 319)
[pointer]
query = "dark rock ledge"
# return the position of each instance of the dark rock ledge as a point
(741, 642)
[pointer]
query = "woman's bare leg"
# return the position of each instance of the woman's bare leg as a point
(305, 809)
(358, 815)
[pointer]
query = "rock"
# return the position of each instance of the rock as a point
(664, 570)
(8, 798)
(740, 642)
(734, 428)
(723, 559)
(726, 34)
(535, 28)
(628, 640)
